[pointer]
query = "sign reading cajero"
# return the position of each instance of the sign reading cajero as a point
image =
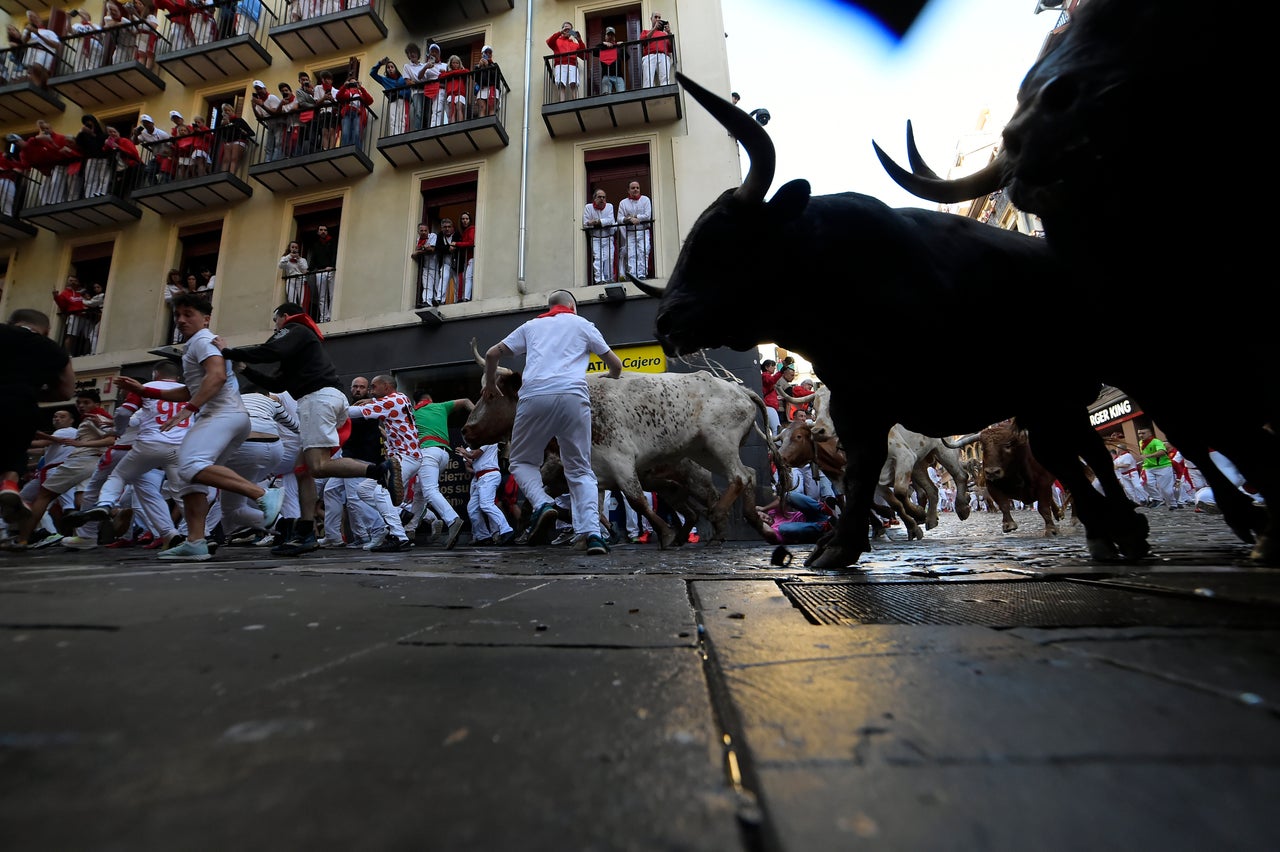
(635, 359)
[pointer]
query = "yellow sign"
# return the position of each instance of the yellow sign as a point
(635, 359)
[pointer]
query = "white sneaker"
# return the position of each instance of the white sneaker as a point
(77, 542)
(48, 541)
(270, 504)
(376, 540)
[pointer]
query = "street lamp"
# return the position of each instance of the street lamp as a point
(761, 116)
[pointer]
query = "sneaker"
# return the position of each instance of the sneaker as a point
(157, 543)
(393, 545)
(437, 528)
(377, 541)
(593, 544)
(120, 543)
(694, 538)
(81, 517)
(643, 538)
(564, 537)
(270, 503)
(296, 546)
(455, 527)
(76, 542)
(188, 551)
(483, 542)
(48, 541)
(542, 524)
(505, 539)
(10, 500)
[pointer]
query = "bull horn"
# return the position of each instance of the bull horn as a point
(933, 188)
(646, 288)
(502, 371)
(743, 127)
(918, 165)
(963, 442)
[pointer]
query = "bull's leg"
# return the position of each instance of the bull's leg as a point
(636, 499)
(865, 450)
(1005, 504)
(913, 529)
(897, 473)
(960, 476)
(1050, 511)
(920, 478)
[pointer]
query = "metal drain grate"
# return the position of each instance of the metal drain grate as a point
(1015, 604)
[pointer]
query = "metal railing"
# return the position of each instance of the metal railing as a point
(305, 10)
(615, 250)
(633, 70)
(111, 174)
(12, 193)
(314, 291)
(307, 131)
(445, 278)
(215, 22)
(79, 330)
(449, 100)
(17, 64)
(196, 155)
(134, 41)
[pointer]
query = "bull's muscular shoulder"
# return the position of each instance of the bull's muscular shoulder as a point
(652, 409)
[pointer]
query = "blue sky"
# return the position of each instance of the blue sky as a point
(833, 80)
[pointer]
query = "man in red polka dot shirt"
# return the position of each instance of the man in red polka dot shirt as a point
(399, 430)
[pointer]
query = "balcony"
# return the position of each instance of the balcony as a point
(109, 65)
(629, 100)
(478, 126)
(12, 192)
(319, 27)
(611, 248)
(23, 95)
(314, 291)
(311, 148)
(195, 172)
(225, 40)
(418, 16)
(79, 196)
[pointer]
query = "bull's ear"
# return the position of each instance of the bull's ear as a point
(789, 202)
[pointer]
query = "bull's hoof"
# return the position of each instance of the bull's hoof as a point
(1050, 532)
(1266, 552)
(930, 523)
(962, 512)
(1102, 550)
(1009, 527)
(666, 540)
(914, 534)
(835, 557)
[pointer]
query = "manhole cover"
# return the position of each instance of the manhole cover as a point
(1015, 604)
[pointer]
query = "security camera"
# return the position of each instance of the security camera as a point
(761, 116)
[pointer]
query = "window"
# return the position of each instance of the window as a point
(84, 293)
(212, 106)
(612, 170)
(317, 228)
(196, 266)
(627, 25)
(446, 275)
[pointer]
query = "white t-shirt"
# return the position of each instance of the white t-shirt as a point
(200, 348)
(57, 453)
(154, 413)
(268, 416)
(557, 351)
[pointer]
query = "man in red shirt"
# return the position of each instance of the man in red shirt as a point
(565, 43)
(655, 66)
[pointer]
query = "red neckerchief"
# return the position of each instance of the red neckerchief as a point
(303, 319)
(422, 404)
(557, 309)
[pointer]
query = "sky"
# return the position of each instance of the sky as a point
(833, 80)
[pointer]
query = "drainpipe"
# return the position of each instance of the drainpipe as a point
(522, 286)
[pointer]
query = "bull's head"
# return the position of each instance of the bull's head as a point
(1093, 115)
(715, 291)
(491, 419)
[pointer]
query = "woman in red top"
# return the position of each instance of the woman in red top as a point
(354, 100)
(456, 81)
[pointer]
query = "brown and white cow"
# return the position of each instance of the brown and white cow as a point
(1011, 472)
(643, 420)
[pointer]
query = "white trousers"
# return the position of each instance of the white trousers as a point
(567, 418)
(655, 69)
(487, 519)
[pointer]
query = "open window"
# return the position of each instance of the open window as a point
(196, 266)
(317, 228)
(447, 275)
(83, 297)
(631, 249)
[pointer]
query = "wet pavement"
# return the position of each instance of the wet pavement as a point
(975, 690)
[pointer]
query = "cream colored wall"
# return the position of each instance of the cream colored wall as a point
(693, 161)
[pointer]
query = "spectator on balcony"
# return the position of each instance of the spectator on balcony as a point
(466, 245)
(487, 78)
(354, 100)
(565, 44)
(248, 13)
(70, 301)
(178, 121)
(635, 217)
(609, 54)
(89, 39)
(50, 153)
(127, 161)
(395, 88)
(11, 167)
(184, 146)
(234, 135)
(43, 46)
(93, 315)
(446, 289)
(655, 65)
(413, 68)
(174, 286)
(294, 267)
(181, 24)
(147, 132)
(208, 282)
(306, 95)
(597, 219)
(94, 171)
(326, 121)
(148, 33)
(266, 107)
(456, 82)
(291, 109)
(432, 91)
(119, 33)
(202, 148)
(324, 254)
(424, 254)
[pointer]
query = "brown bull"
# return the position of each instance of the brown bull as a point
(1011, 473)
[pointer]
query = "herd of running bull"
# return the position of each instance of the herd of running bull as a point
(1093, 149)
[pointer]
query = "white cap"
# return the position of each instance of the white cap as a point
(433, 46)
(173, 113)
(145, 117)
(258, 84)
(486, 49)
